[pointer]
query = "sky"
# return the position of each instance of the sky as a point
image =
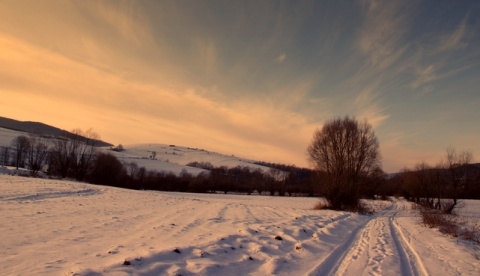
(250, 78)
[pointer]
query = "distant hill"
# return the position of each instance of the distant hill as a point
(174, 158)
(156, 157)
(40, 128)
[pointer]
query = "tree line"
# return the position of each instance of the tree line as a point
(77, 157)
(345, 154)
(442, 186)
(108, 170)
(72, 156)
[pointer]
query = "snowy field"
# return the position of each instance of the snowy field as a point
(51, 227)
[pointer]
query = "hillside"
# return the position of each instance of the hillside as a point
(39, 128)
(169, 158)
(174, 158)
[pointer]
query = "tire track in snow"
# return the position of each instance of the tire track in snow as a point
(360, 247)
(371, 245)
(332, 263)
(411, 263)
(446, 264)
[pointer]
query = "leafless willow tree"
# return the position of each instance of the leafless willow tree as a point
(347, 153)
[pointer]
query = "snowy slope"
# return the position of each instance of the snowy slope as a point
(175, 158)
(168, 158)
(65, 228)
(7, 135)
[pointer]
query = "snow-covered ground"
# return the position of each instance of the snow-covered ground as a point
(51, 227)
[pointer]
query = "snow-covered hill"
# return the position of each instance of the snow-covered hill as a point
(7, 135)
(174, 158)
(160, 157)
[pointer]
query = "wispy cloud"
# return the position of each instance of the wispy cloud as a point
(280, 58)
(437, 59)
(181, 115)
(456, 40)
(122, 17)
(424, 75)
(369, 107)
(249, 78)
(382, 32)
(206, 55)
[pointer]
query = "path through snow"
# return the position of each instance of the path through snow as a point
(376, 248)
(393, 243)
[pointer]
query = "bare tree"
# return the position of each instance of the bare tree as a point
(456, 172)
(74, 155)
(83, 152)
(276, 181)
(347, 153)
(20, 146)
(154, 155)
(107, 170)
(5, 156)
(423, 186)
(141, 175)
(59, 159)
(118, 148)
(132, 169)
(37, 153)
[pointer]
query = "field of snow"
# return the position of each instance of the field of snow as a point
(53, 227)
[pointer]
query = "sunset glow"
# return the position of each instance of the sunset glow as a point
(249, 78)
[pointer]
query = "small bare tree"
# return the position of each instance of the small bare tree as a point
(37, 153)
(132, 169)
(5, 156)
(456, 172)
(347, 153)
(74, 155)
(83, 152)
(59, 159)
(20, 145)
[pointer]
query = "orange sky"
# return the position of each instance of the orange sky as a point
(245, 78)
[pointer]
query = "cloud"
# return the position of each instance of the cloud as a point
(439, 57)
(455, 40)
(434, 72)
(123, 17)
(424, 75)
(381, 34)
(280, 58)
(181, 73)
(369, 108)
(53, 88)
